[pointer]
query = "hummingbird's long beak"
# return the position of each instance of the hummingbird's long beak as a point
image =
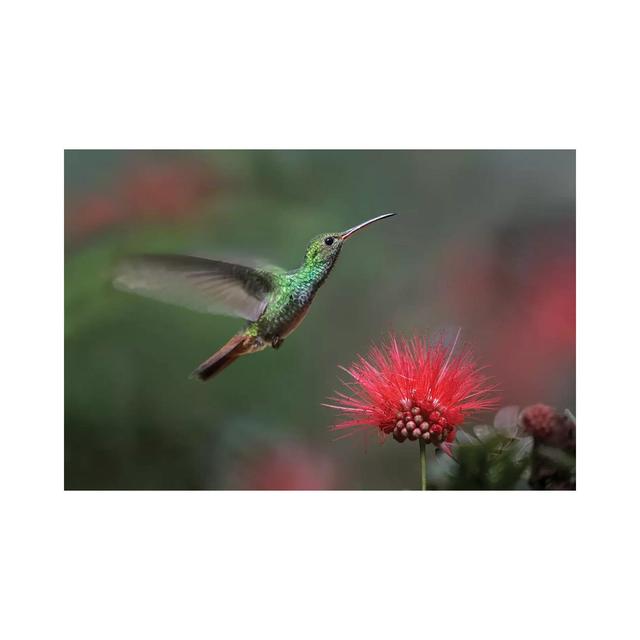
(349, 232)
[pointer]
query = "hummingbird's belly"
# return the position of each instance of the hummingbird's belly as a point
(284, 323)
(293, 325)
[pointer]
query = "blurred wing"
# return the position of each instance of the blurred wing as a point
(209, 286)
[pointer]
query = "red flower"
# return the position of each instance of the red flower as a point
(539, 420)
(287, 466)
(151, 189)
(414, 389)
(549, 427)
(166, 190)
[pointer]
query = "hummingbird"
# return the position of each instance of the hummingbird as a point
(273, 301)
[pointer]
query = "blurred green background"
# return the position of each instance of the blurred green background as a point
(485, 240)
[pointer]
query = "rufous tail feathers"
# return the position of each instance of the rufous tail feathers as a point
(222, 358)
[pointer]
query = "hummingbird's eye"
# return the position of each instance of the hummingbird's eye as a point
(329, 241)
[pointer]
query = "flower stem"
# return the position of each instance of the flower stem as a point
(423, 465)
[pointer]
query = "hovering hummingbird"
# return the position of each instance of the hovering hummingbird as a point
(273, 301)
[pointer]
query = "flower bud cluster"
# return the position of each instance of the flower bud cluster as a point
(427, 421)
(549, 427)
(539, 420)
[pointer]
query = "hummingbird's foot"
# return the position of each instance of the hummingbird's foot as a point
(276, 343)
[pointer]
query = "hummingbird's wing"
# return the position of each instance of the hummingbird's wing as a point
(210, 286)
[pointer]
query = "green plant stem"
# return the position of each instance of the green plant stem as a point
(505, 445)
(423, 465)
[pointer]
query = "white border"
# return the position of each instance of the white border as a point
(293, 75)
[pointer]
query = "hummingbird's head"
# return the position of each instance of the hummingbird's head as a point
(325, 248)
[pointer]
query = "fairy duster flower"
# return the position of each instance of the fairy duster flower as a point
(416, 389)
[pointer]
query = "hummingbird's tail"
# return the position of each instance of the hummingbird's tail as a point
(222, 358)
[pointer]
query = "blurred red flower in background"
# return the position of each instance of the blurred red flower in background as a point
(165, 190)
(414, 389)
(547, 426)
(520, 296)
(539, 420)
(93, 213)
(287, 466)
(149, 190)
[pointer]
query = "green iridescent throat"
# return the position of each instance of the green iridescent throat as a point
(293, 293)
